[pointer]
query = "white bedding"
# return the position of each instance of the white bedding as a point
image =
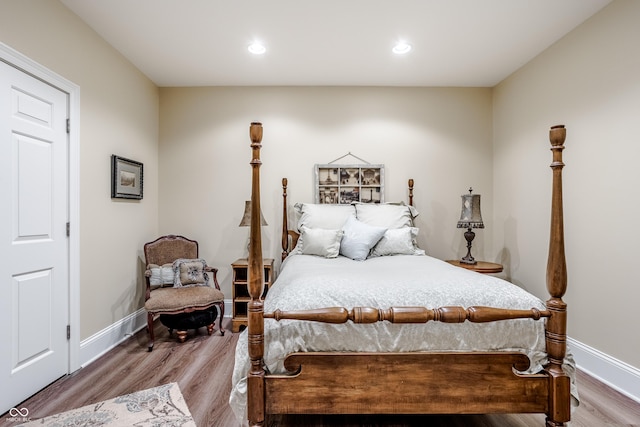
(308, 282)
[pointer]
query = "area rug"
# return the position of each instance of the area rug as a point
(162, 406)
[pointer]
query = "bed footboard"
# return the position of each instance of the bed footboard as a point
(406, 383)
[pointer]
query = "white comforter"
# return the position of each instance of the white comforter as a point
(308, 282)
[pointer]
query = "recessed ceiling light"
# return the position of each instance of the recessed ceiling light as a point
(257, 48)
(401, 48)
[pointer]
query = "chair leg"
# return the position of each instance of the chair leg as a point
(150, 331)
(221, 310)
(210, 328)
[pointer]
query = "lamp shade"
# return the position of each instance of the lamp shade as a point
(470, 216)
(246, 217)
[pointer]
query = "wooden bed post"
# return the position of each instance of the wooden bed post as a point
(255, 386)
(410, 184)
(556, 329)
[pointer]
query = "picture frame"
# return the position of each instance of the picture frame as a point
(127, 178)
(344, 184)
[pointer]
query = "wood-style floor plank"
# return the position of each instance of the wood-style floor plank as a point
(202, 367)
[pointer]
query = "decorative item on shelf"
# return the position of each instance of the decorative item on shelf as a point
(470, 217)
(246, 218)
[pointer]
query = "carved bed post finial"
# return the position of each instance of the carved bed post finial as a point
(410, 183)
(285, 227)
(256, 396)
(556, 328)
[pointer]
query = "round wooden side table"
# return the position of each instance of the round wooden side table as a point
(480, 266)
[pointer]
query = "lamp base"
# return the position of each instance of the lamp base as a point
(471, 261)
(468, 259)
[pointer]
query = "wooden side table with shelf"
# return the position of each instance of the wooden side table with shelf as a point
(240, 290)
(480, 266)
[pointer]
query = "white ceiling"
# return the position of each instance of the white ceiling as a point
(331, 42)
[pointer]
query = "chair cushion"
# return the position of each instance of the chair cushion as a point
(176, 299)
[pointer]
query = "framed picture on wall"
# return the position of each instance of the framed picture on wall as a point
(126, 178)
(344, 184)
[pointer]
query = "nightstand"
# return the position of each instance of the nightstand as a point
(240, 290)
(480, 266)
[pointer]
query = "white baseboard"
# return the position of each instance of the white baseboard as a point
(614, 373)
(100, 343)
(105, 340)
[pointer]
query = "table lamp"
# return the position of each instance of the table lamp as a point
(470, 217)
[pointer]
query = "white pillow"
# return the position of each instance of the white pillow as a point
(398, 241)
(386, 215)
(319, 241)
(329, 217)
(161, 274)
(359, 238)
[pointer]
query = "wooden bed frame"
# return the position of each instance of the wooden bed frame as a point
(416, 382)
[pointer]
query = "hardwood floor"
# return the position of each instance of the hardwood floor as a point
(205, 383)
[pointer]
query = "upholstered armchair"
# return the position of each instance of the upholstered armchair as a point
(178, 287)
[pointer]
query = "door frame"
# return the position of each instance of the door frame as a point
(31, 67)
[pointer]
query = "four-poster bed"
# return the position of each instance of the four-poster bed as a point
(377, 357)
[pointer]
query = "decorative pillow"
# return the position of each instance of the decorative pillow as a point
(190, 272)
(386, 215)
(318, 241)
(329, 217)
(161, 275)
(359, 238)
(398, 241)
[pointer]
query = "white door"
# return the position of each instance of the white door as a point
(34, 247)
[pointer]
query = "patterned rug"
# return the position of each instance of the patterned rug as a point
(161, 406)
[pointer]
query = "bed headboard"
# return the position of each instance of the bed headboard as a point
(290, 237)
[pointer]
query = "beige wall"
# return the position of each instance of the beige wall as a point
(119, 115)
(439, 137)
(589, 81)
